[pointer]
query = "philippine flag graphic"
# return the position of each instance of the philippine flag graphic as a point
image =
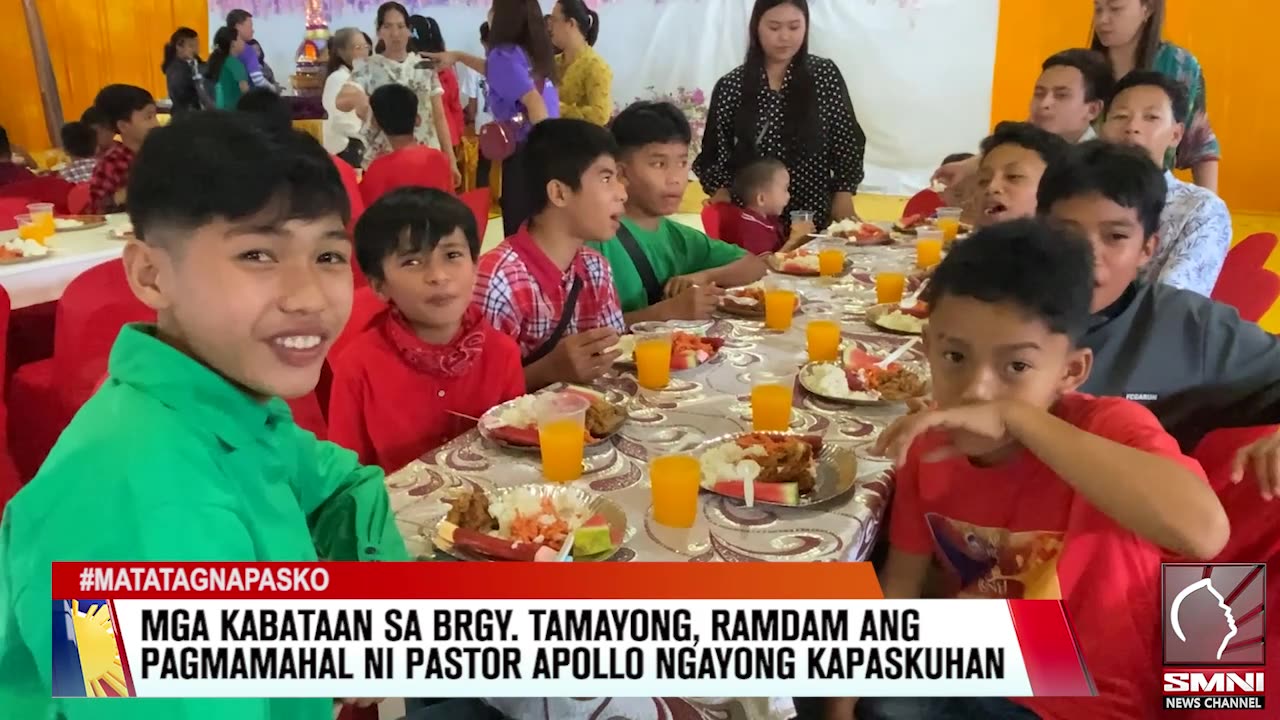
(87, 653)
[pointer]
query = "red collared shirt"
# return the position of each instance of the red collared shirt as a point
(110, 175)
(752, 231)
(414, 165)
(522, 292)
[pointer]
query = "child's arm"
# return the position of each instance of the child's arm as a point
(346, 504)
(743, 271)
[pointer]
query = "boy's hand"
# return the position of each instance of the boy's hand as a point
(680, 283)
(456, 175)
(984, 420)
(696, 303)
(1262, 459)
(586, 355)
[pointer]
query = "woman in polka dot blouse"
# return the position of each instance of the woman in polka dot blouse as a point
(785, 103)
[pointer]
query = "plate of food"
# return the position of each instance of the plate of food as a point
(859, 380)
(776, 468)
(514, 423)
(530, 523)
(124, 232)
(75, 223)
(801, 262)
(20, 250)
(748, 301)
(896, 319)
(689, 350)
(858, 232)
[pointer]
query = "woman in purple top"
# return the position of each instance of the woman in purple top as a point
(520, 72)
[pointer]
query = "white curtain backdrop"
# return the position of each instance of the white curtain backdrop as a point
(919, 71)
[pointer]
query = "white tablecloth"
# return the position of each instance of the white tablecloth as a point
(44, 280)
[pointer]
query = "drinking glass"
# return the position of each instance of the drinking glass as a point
(562, 427)
(889, 287)
(673, 484)
(771, 402)
(928, 248)
(779, 303)
(653, 357)
(948, 221)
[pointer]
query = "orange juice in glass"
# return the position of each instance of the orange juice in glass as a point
(779, 304)
(823, 336)
(653, 357)
(771, 403)
(561, 435)
(889, 287)
(928, 248)
(948, 221)
(830, 262)
(42, 216)
(27, 228)
(673, 483)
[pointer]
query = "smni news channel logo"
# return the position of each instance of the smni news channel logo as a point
(1214, 639)
(87, 652)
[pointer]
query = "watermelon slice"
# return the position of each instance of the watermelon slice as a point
(909, 222)
(920, 310)
(595, 536)
(782, 493)
(689, 359)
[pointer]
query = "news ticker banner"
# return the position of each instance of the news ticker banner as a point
(541, 630)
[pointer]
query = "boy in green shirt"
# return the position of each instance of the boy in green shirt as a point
(187, 452)
(665, 270)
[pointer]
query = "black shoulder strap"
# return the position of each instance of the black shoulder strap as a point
(566, 314)
(644, 268)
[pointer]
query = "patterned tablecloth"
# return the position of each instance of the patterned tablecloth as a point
(709, 401)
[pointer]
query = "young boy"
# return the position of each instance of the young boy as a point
(1013, 159)
(395, 112)
(764, 188)
(432, 354)
(104, 133)
(1195, 228)
(10, 171)
(131, 112)
(541, 286)
(80, 143)
(1070, 92)
(1023, 488)
(665, 270)
(250, 282)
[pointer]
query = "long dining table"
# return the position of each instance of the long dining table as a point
(42, 280)
(710, 401)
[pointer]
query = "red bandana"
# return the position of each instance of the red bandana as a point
(452, 360)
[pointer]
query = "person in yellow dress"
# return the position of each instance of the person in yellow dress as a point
(585, 78)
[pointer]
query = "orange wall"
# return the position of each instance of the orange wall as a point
(21, 113)
(1232, 39)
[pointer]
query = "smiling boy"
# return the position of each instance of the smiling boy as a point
(1023, 488)
(188, 452)
(665, 270)
(1013, 159)
(1195, 227)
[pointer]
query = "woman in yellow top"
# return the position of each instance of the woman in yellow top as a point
(585, 78)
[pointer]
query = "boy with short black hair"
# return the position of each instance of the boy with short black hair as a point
(271, 111)
(105, 134)
(665, 270)
(1013, 159)
(408, 382)
(80, 143)
(543, 286)
(1195, 228)
(1070, 92)
(410, 163)
(130, 112)
(10, 171)
(1022, 487)
(250, 281)
(764, 189)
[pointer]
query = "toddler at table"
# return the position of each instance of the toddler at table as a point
(542, 286)
(763, 188)
(411, 380)
(79, 141)
(1013, 159)
(1023, 488)
(187, 452)
(131, 112)
(395, 113)
(663, 269)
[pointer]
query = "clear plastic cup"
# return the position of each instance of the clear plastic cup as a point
(673, 484)
(779, 302)
(771, 398)
(653, 355)
(562, 429)
(822, 332)
(928, 247)
(42, 216)
(948, 221)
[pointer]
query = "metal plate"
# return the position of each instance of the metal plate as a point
(27, 258)
(875, 312)
(836, 469)
(89, 222)
(773, 264)
(594, 503)
(811, 387)
(489, 420)
(756, 311)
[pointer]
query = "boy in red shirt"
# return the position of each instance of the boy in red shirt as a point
(763, 187)
(395, 110)
(132, 113)
(431, 354)
(1023, 488)
(541, 286)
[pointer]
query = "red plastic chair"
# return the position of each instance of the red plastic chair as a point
(429, 168)
(715, 216)
(1245, 283)
(10, 208)
(478, 201)
(78, 199)
(89, 316)
(10, 483)
(925, 202)
(47, 189)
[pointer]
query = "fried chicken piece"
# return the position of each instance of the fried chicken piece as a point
(603, 418)
(469, 509)
(787, 459)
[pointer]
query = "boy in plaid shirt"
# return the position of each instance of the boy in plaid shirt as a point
(81, 143)
(541, 286)
(132, 113)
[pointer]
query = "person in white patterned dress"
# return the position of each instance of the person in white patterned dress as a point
(1195, 227)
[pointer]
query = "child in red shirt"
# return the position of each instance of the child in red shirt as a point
(1022, 488)
(762, 188)
(404, 385)
(395, 111)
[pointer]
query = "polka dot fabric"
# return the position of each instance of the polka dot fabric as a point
(815, 176)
